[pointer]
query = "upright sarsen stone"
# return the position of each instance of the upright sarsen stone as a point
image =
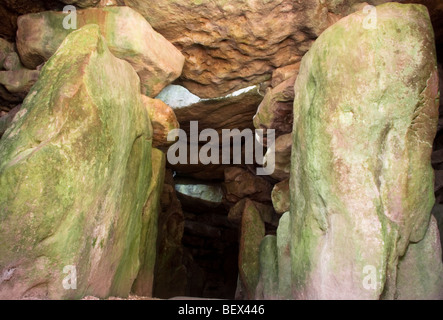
(75, 170)
(143, 284)
(252, 232)
(365, 116)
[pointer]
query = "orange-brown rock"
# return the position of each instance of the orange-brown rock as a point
(232, 44)
(275, 111)
(163, 120)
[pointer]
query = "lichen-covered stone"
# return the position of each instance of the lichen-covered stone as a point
(143, 284)
(74, 175)
(252, 233)
(281, 197)
(420, 271)
(365, 116)
(128, 35)
(266, 211)
(284, 257)
(268, 284)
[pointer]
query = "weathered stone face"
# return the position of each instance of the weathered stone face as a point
(281, 197)
(144, 283)
(238, 210)
(234, 111)
(15, 80)
(240, 183)
(281, 155)
(251, 235)
(127, 35)
(74, 176)
(275, 111)
(11, 9)
(420, 270)
(232, 44)
(199, 195)
(163, 120)
(267, 287)
(365, 115)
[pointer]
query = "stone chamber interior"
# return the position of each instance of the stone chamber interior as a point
(207, 223)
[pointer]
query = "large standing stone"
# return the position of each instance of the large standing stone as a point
(252, 233)
(128, 35)
(143, 285)
(365, 115)
(267, 287)
(74, 175)
(284, 257)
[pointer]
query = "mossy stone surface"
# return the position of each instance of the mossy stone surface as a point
(251, 235)
(280, 197)
(143, 284)
(74, 176)
(268, 283)
(365, 115)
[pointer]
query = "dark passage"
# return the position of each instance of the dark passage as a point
(211, 255)
(197, 253)
(210, 240)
